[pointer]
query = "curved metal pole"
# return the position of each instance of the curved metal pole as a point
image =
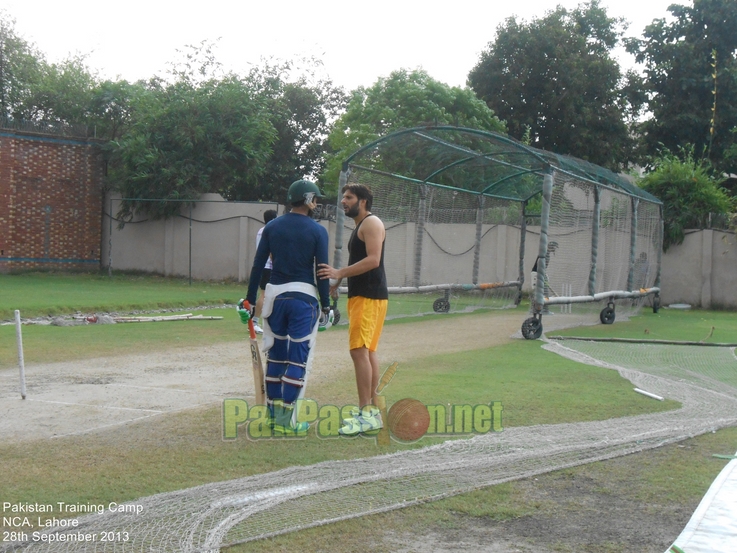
(419, 234)
(660, 248)
(595, 224)
(633, 243)
(419, 131)
(522, 239)
(543, 246)
(477, 241)
(339, 222)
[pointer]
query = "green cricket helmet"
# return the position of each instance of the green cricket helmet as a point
(303, 191)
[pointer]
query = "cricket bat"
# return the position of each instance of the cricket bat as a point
(384, 438)
(258, 367)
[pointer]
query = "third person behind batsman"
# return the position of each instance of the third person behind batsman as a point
(368, 299)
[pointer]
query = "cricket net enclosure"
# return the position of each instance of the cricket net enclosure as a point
(469, 213)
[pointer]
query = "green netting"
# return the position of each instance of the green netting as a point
(478, 161)
(456, 205)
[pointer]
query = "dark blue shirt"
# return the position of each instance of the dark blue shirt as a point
(296, 244)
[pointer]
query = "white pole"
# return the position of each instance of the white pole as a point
(19, 340)
(648, 394)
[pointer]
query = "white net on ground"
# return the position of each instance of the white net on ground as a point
(205, 518)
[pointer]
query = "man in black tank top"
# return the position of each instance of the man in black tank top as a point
(372, 283)
(368, 299)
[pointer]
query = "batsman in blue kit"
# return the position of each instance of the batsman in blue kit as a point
(291, 311)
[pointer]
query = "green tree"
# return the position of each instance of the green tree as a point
(245, 138)
(52, 95)
(403, 100)
(189, 138)
(555, 76)
(691, 75)
(111, 106)
(301, 106)
(688, 190)
(21, 68)
(63, 93)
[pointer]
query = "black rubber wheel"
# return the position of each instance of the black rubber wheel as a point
(532, 328)
(441, 305)
(607, 315)
(656, 304)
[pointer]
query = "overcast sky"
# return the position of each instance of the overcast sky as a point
(357, 41)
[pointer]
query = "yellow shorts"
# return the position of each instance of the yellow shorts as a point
(365, 322)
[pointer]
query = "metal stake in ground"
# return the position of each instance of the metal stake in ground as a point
(19, 341)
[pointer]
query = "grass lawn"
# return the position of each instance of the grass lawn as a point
(48, 293)
(186, 449)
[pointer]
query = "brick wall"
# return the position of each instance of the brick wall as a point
(50, 202)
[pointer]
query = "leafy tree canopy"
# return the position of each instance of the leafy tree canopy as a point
(21, 69)
(57, 96)
(689, 192)
(555, 78)
(63, 93)
(246, 138)
(691, 77)
(403, 100)
(302, 106)
(189, 139)
(111, 106)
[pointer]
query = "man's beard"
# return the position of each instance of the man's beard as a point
(352, 211)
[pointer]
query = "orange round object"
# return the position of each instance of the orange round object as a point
(409, 419)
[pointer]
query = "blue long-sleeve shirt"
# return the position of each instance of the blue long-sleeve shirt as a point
(296, 244)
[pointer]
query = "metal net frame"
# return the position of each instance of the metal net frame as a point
(456, 204)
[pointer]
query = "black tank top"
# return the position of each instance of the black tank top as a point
(371, 284)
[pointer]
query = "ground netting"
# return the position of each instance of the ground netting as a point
(205, 518)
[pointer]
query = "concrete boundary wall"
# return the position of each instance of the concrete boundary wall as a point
(702, 271)
(218, 243)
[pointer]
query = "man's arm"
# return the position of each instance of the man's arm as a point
(323, 287)
(262, 254)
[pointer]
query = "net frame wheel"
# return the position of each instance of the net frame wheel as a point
(532, 328)
(607, 315)
(656, 304)
(441, 305)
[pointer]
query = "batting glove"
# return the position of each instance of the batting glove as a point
(245, 311)
(326, 319)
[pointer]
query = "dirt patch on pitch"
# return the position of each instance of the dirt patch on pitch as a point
(89, 395)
